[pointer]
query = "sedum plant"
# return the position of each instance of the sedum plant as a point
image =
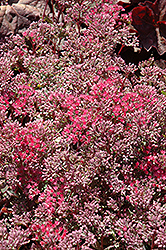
(83, 135)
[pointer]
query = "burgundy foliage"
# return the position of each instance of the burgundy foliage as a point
(140, 1)
(149, 19)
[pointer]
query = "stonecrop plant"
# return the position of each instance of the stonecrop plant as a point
(83, 135)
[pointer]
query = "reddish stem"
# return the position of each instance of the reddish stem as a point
(102, 246)
(45, 9)
(153, 237)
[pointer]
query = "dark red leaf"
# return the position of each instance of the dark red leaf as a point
(150, 21)
(123, 4)
(133, 31)
(142, 15)
(143, 21)
(139, 1)
(154, 7)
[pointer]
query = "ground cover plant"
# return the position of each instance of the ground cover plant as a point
(83, 134)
